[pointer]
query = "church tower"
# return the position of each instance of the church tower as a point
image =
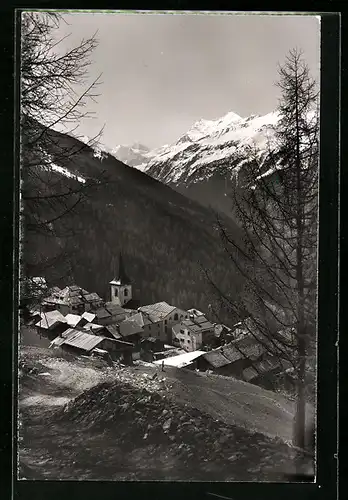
(121, 288)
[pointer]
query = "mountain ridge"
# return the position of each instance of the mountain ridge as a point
(204, 162)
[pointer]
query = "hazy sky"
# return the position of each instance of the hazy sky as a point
(163, 72)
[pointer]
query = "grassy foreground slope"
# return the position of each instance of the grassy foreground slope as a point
(81, 419)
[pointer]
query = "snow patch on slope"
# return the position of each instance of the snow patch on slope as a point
(48, 164)
(67, 173)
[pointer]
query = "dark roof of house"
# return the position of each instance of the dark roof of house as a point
(195, 325)
(157, 311)
(70, 295)
(216, 359)
(234, 351)
(74, 291)
(112, 306)
(75, 301)
(238, 350)
(231, 354)
(251, 350)
(79, 339)
(50, 319)
(140, 319)
(250, 373)
(112, 329)
(268, 364)
(102, 313)
(203, 322)
(261, 368)
(246, 341)
(128, 328)
(192, 326)
(133, 304)
(92, 297)
(115, 310)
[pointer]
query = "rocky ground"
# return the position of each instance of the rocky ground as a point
(84, 420)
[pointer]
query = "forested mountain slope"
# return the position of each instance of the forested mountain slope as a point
(165, 238)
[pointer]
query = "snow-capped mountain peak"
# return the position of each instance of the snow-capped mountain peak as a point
(205, 150)
(209, 148)
(229, 119)
(199, 129)
(203, 128)
(205, 161)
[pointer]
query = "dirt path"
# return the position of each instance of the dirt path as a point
(56, 381)
(233, 401)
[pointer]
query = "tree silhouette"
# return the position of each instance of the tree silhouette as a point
(277, 209)
(50, 80)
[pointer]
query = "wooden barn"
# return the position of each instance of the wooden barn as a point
(265, 372)
(148, 347)
(81, 342)
(51, 324)
(231, 359)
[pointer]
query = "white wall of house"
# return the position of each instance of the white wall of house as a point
(162, 329)
(185, 340)
(191, 341)
(121, 294)
(196, 341)
(172, 319)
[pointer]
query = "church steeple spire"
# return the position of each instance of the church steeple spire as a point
(122, 275)
(121, 288)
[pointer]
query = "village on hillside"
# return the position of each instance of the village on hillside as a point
(123, 331)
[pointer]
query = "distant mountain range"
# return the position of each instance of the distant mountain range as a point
(132, 156)
(204, 162)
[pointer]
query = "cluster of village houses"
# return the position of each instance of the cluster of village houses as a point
(121, 329)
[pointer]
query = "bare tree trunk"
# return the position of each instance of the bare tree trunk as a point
(300, 415)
